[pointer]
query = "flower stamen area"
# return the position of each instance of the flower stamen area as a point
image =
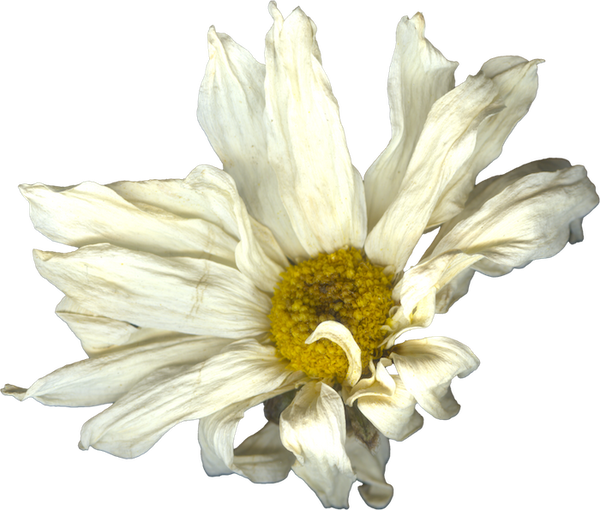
(343, 286)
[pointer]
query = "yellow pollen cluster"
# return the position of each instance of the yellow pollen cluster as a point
(342, 286)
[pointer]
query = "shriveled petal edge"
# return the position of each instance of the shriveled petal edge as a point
(484, 175)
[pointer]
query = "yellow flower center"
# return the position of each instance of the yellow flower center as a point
(342, 286)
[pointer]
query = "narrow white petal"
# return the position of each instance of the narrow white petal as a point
(517, 83)
(427, 367)
(320, 189)
(182, 294)
(510, 220)
(447, 141)
(134, 423)
(313, 428)
(419, 76)
(340, 335)
(231, 107)
(107, 377)
(369, 466)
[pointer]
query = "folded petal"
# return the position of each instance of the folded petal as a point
(107, 377)
(231, 107)
(427, 367)
(386, 403)
(134, 423)
(261, 457)
(188, 295)
(320, 189)
(313, 428)
(517, 83)
(448, 139)
(419, 76)
(369, 466)
(510, 220)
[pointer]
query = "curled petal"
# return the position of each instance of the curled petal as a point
(427, 367)
(313, 428)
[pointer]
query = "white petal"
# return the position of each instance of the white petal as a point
(92, 214)
(510, 220)
(182, 294)
(340, 335)
(261, 457)
(231, 107)
(419, 76)
(105, 378)
(369, 467)
(313, 428)
(134, 423)
(386, 403)
(427, 367)
(321, 190)
(447, 141)
(517, 83)
(453, 291)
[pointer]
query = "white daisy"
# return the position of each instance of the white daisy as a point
(171, 286)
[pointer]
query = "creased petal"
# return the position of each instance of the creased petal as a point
(517, 83)
(261, 457)
(427, 367)
(134, 423)
(510, 220)
(419, 76)
(92, 214)
(105, 378)
(231, 107)
(182, 294)
(387, 404)
(313, 428)
(320, 189)
(369, 466)
(446, 142)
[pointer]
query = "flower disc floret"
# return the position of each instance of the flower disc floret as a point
(343, 286)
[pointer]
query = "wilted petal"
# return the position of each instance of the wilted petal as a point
(510, 220)
(320, 189)
(182, 294)
(419, 76)
(105, 378)
(134, 423)
(427, 367)
(448, 139)
(313, 428)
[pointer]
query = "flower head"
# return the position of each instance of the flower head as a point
(282, 278)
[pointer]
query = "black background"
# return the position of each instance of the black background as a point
(111, 95)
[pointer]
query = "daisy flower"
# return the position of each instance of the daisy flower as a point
(282, 278)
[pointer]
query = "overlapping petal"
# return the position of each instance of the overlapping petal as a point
(509, 220)
(171, 395)
(188, 295)
(313, 428)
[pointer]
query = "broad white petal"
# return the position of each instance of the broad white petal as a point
(134, 423)
(517, 83)
(313, 428)
(427, 367)
(510, 220)
(369, 466)
(107, 377)
(182, 294)
(446, 142)
(231, 106)
(320, 189)
(453, 291)
(387, 404)
(92, 214)
(419, 76)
